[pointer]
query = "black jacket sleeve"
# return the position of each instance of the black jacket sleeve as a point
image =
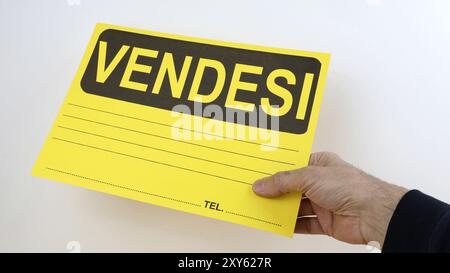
(420, 223)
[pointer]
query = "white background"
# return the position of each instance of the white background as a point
(386, 109)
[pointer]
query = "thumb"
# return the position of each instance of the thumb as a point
(299, 180)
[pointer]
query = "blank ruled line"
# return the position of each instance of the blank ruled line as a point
(152, 161)
(123, 187)
(191, 130)
(177, 140)
(162, 150)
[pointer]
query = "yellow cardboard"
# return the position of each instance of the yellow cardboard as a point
(146, 153)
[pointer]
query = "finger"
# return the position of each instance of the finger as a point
(306, 208)
(325, 159)
(308, 225)
(289, 181)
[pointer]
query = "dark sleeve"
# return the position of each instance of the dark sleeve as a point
(420, 223)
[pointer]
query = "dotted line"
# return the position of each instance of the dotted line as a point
(160, 196)
(253, 218)
(125, 188)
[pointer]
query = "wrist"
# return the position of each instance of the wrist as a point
(380, 206)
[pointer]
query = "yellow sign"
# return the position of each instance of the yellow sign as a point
(187, 123)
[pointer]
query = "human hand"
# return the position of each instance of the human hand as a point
(349, 205)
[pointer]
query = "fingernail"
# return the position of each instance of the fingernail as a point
(258, 186)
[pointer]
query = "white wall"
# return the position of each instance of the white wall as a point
(386, 109)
